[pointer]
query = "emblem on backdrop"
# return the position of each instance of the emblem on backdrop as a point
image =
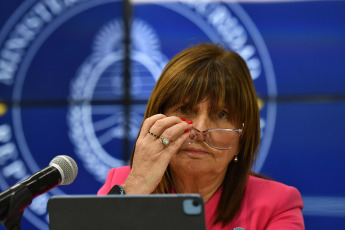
(96, 130)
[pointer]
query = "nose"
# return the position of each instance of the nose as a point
(201, 122)
(196, 135)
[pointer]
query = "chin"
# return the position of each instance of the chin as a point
(190, 165)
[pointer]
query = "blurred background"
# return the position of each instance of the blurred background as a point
(75, 77)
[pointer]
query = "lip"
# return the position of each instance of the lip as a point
(195, 151)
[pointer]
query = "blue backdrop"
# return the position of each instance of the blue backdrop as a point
(62, 88)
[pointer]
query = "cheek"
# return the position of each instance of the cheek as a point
(229, 154)
(236, 148)
(226, 156)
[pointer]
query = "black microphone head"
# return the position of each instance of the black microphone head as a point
(67, 168)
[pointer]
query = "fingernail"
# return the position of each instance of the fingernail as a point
(183, 119)
(186, 131)
(190, 122)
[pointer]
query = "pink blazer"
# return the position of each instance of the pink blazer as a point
(266, 204)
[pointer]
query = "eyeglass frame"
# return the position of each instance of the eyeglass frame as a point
(238, 131)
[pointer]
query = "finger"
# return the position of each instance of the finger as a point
(153, 134)
(170, 126)
(173, 132)
(173, 147)
(158, 143)
(148, 123)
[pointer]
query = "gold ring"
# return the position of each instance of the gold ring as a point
(152, 134)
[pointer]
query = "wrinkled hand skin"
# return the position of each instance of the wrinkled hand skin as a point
(151, 157)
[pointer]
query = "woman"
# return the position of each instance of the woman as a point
(201, 135)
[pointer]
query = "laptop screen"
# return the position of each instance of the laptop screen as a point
(171, 211)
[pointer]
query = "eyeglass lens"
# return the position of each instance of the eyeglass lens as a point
(215, 138)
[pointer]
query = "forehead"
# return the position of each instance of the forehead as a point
(205, 104)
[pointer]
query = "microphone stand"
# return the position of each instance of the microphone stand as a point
(20, 198)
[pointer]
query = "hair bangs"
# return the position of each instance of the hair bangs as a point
(225, 93)
(194, 86)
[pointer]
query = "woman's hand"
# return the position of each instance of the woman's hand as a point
(152, 157)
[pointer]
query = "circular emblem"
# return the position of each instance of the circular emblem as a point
(35, 65)
(27, 142)
(96, 130)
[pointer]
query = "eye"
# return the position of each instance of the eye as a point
(222, 114)
(183, 110)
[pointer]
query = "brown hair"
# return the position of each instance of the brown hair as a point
(210, 71)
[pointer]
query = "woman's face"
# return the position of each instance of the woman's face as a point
(199, 157)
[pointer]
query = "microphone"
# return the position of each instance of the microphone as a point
(61, 170)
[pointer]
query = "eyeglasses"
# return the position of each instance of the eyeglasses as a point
(216, 138)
